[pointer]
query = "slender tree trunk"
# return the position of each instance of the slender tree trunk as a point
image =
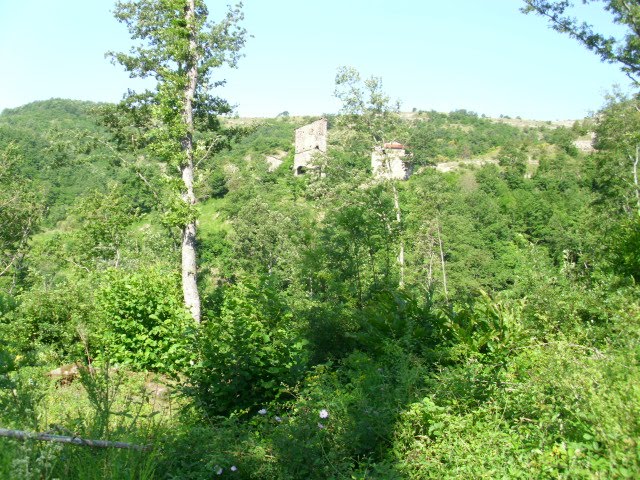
(189, 244)
(430, 271)
(396, 204)
(444, 271)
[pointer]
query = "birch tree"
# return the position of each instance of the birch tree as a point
(179, 47)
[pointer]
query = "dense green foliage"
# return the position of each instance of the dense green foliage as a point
(461, 134)
(510, 350)
(64, 151)
(145, 323)
(251, 354)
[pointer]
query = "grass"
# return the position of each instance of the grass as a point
(212, 219)
(115, 405)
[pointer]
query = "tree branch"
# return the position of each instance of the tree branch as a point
(47, 437)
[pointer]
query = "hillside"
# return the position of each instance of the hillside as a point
(62, 150)
(478, 319)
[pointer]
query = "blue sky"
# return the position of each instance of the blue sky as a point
(481, 55)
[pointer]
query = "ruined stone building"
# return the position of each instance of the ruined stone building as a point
(391, 162)
(311, 140)
(586, 145)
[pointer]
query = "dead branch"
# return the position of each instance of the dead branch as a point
(47, 437)
(8, 267)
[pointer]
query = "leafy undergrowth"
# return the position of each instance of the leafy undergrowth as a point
(506, 399)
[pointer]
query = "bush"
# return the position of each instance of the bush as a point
(626, 247)
(201, 451)
(561, 412)
(250, 355)
(46, 321)
(343, 417)
(145, 323)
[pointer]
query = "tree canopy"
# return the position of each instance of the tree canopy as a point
(479, 318)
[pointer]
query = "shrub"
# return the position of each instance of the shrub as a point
(250, 355)
(46, 320)
(626, 247)
(145, 323)
(558, 410)
(343, 416)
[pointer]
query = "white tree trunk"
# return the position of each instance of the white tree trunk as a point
(189, 244)
(444, 270)
(396, 204)
(189, 271)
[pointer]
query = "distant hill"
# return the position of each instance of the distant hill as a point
(61, 148)
(53, 113)
(66, 150)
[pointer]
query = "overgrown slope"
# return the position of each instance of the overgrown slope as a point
(502, 342)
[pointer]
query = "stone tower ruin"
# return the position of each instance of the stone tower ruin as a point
(311, 140)
(391, 162)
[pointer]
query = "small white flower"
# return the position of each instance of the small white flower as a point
(233, 468)
(262, 411)
(278, 419)
(320, 426)
(218, 469)
(324, 413)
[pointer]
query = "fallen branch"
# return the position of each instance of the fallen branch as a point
(47, 437)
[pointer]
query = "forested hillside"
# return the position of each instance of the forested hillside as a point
(504, 345)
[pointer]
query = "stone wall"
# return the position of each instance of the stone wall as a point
(391, 162)
(311, 140)
(586, 145)
(275, 160)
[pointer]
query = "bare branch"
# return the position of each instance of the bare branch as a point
(83, 442)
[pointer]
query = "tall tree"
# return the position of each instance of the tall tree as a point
(618, 143)
(180, 48)
(371, 118)
(624, 50)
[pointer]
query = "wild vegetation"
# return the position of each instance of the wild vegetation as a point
(482, 322)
